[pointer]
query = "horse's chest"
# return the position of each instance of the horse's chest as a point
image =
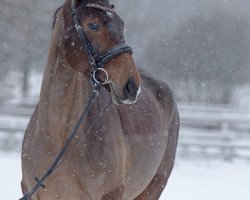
(142, 118)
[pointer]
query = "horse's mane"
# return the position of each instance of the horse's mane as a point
(104, 3)
(54, 17)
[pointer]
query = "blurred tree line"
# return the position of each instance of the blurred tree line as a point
(25, 29)
(199, 47)
(206, 58)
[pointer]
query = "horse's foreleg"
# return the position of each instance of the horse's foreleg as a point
(154, 189)
(115, 194)
(24, 188)
(157, 185)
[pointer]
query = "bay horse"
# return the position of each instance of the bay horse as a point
(130, 152)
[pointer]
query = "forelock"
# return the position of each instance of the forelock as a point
(104, 3)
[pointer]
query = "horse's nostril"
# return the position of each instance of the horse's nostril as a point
(130, 89)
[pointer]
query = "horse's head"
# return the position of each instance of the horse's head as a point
(103, 29)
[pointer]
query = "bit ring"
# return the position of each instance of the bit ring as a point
(96, 79)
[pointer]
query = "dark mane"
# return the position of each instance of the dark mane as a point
(54, 17)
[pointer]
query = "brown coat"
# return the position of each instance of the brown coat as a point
(129, 153)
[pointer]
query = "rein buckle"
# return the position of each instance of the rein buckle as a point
(40, 183)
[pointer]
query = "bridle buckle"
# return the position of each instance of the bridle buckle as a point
(96, 79)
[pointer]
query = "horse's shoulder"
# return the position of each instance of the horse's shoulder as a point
(159, 89)
(155, 105)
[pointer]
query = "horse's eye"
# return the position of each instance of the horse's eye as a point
(93, 26)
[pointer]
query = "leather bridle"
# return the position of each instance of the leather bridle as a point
(95, 61)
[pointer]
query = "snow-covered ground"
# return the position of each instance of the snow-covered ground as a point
(209, 180)
(190, 180)
(10, 176)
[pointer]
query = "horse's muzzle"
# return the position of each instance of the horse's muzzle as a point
(131, 91)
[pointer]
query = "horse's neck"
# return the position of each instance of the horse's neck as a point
(63, 86)
(64, 92)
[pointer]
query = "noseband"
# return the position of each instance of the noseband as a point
(96, 62)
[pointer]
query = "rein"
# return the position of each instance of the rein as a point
(58, 161)
(96, 62)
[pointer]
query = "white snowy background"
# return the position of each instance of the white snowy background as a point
(190, 180)
(208, 40)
